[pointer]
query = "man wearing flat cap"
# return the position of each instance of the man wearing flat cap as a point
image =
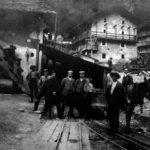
(67, 85)
(32, 79)
(116, 100)
(80, 93)
(42, 80)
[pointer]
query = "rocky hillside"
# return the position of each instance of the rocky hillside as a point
(72, 12)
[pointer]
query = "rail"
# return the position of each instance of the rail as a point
(125, 136)
(144, 43)
(105, 35)
(60, 47)
(107, 139)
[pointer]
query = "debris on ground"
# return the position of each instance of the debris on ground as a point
(21, 110)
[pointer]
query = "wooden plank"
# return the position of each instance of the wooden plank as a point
(64, 139)
(30, 145)
(53, 141)
(73, 140)
(85, 138)
(47, 135)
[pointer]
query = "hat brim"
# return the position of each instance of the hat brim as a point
(115, 74)
(31, 67)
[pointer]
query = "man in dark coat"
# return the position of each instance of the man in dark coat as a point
(127, 82)
(67, 85)
(80, 93)
(116, 100)
(32, 79)
(49, 90)
(42, 80)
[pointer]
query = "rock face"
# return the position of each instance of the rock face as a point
(6, 86)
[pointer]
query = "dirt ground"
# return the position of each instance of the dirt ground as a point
(17, 121)
(19, 124)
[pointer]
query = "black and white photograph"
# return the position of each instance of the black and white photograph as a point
(74, 74)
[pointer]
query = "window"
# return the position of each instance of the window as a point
(122, 56)
(104, 55)
(32, 54)
(122, 45)
(105, 19)
(103, 43)
(123, 21)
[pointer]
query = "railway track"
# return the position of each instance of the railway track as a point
(79, 142)
(141, 138)
(138, 144)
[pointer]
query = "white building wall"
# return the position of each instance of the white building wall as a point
(113, 49)
(25, 65)
(111, 21)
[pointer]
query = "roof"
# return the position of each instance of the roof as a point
(143, 26)
(94, 70)
(114, 10)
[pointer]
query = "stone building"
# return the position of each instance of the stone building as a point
(144, 42)
(112, 33)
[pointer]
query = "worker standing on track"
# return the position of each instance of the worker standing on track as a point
(42, 80)
(67, 85)
(49, 90)
(116, 99)
(80, 93)
(32, 79)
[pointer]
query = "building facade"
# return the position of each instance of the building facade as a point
(109, 34)
(144, 42)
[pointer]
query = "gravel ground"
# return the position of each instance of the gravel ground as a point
(17, 122)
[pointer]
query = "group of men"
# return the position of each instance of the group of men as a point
(71, 92)
(118, 95)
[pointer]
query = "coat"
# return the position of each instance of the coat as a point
(36, 77)
(116, 100)
(127, 80)
(67, 86)
(50, 86)
(79, 86)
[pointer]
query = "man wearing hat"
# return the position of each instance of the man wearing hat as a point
(116, 100)
(32, 79)
(80, 93)
(42, 80)
(67, 85)
(49, 90)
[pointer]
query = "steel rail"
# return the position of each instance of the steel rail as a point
(131, 140)
(60, 134)
(133, 131)
(104, 137)
(80, 135)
